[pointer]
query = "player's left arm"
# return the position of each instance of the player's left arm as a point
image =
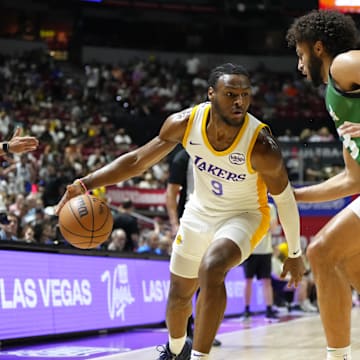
(267, 160)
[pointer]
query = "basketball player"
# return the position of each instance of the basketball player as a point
(324, 42)
(236, 161)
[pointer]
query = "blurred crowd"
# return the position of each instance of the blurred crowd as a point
(84, 117)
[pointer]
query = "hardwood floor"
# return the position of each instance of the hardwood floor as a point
(300, 339)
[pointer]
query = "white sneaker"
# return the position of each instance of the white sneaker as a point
(307, 306)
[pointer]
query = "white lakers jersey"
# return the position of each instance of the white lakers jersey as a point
(224, 181)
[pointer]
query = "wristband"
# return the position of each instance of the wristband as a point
(5, 147)
(82, 185)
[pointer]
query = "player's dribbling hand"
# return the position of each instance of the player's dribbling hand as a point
(296, 268)
(72, 190)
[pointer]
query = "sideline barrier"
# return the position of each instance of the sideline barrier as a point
(47, 294)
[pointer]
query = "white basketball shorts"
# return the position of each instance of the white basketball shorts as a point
(196, 232)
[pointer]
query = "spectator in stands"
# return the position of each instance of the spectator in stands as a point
(165, 242)
(322, 135)
(10, 230)
(313, 169)
(123, 140)
(18, 206)
(45, 233)
(193, 65)
(126, 221)
(28, 234)
(160, 172)
(25, 173)
(96, 159)
(117, 240)
(148, 181)
(33, 201)
(288, 136)
(305, 135)
(150, 243)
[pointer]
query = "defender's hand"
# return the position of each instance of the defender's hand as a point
(296, 268)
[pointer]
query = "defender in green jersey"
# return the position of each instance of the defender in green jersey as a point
(325, 43)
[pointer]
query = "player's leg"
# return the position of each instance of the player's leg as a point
(179, 304)
(188, 249)
(249, 270)
(231, 245)
(334, 247)
(264, 275)
(190, 326)
(178, 311)
(210, 306)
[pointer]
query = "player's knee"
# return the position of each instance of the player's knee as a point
(320, 254)
(314, 250)
(212, 270)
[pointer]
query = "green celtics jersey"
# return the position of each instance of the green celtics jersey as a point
(344, 106)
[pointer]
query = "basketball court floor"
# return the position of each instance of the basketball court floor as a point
(297, 336)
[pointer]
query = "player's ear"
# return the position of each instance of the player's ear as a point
(211, 93)
(318, 48)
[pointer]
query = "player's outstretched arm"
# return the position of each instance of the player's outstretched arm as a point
(19, 144)
(133, 163)
(343, 184)
(268, 162)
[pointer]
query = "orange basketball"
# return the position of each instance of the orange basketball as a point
(85, 221)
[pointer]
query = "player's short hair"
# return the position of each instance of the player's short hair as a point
(226, 69)
(335, 30)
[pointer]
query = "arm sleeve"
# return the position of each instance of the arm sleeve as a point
(289, 218)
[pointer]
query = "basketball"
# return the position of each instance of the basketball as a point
(85, 221)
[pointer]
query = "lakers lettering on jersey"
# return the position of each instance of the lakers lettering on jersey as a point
(216, 171)
(225, 181)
